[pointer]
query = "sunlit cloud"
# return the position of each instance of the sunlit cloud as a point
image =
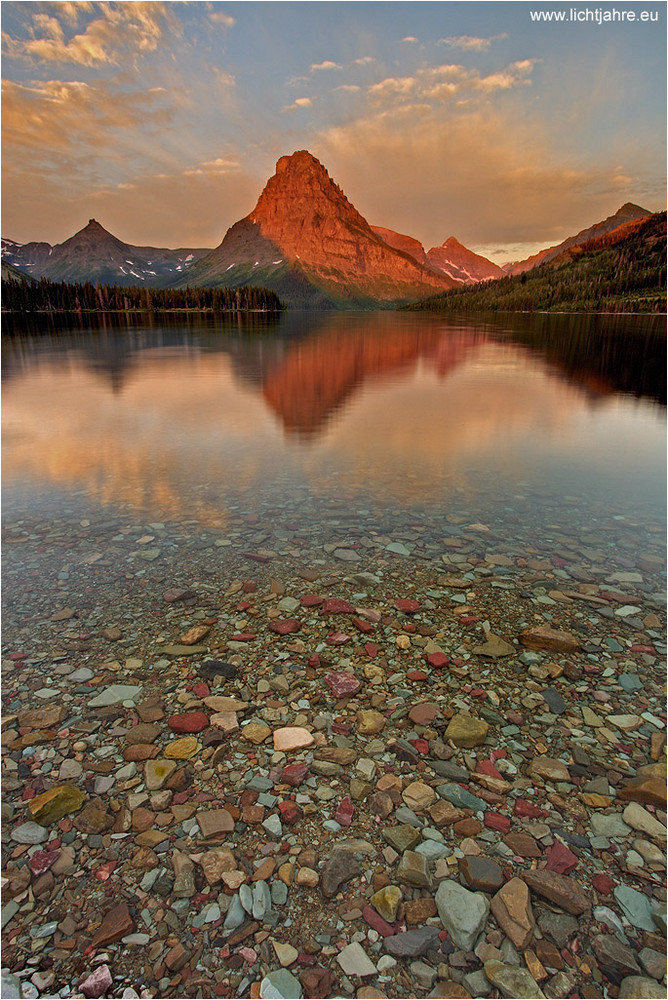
(301, 102)
(440, 82)
(470, 43)
(119, 30)
(220, 17)
(327, 64)
(409, 38)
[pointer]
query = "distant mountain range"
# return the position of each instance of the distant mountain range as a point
(304, 240)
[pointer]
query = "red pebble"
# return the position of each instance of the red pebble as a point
(290, 813)
(365, 627)
(375, 920)
(294, 774)
(314, 661)
(180, 798)
(28, 793)
(417, 675)
(337, 639)
(335, 606)
(202, 690)
(311, 601)
(407, 604)
(371, 649)
(342, 684)
(560, 859)
(243, 606)
(495, 821)
(421, 746)
(437, 660)
(603, 884)
(285, 626)
(188, 722)
(486, 767)
(344, 814)
(243, 637)
(524, 808)
(41, 861)
(341, 728)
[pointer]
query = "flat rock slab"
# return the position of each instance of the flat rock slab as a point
(281, 985)
(412, 944)
(213, 822)
(549, 768)
(494, 647)
(559, 889)
(516, 983)
(355, 962)
(42, 718)
(55, 803)
(552, 640)
(462, 913)
(641, 988)
(292, 738)
(115, 694)
(116, 923)
(188, 722)
(342, 684)
(339, 868)
(512, 908)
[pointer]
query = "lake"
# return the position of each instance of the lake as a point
(386, 418)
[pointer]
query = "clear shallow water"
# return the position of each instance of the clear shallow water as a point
(501, 419)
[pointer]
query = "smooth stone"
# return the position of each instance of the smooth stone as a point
(635, 906)
(281, 985)
(418, 796)
(368, 722)
(641, 988)
(516, 983)
(55, 803)
(481, 874)
(466, 731)
(494, 647)
(542, 637)
(414, 869)
(554, 701)
(30, 833)
(386, 902)
(157, 772)
(339, 868)
(609, 825)
(10, 986)
(182, 749)
(285, 953)
(559, 889)
(461, 798)
(114, 695)
(462, 913)
(511, 907)
(550, 768)
(292, 738)
(411, 944)
(355, 962)
(639, 819)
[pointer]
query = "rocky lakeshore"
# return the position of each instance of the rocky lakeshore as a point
(268, 761)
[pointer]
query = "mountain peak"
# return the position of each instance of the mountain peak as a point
(300, 160)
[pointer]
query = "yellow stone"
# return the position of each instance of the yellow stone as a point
(193, 635)
(255, 732)
(535, 966)
(52, 805)
(182, 749)
(368, 722)
(595, 801)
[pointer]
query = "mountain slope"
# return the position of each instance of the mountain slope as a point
(460, 263)
(93, 254)
(621, 271)
(307, 242)
(627, 213)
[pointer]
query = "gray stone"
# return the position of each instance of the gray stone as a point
(616, 959)
(115, 694)
(30, 833)
(448, 769)
(261, 900)
(636, 907)
(653, 962)
(608, 825)
(423, 974)
(554, 701)
(461, 798)
(355, 962)
(235, 915)
(559, 927)
(280, 985)
(641, 988)
(414, 869)
(559, 986)
(339, 868)
(462, 913)
(411, 944)
(513, 982)
(10, 986)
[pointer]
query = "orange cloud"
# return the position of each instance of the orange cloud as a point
(121, 28)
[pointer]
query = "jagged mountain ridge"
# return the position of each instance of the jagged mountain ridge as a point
(306, 241)
(627, 213)
(452, 258)
(94, 254)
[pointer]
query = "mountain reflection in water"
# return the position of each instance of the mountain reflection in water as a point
(148, 411)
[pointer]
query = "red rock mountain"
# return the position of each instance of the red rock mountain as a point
(307, 242)
(462, 264)
(627, 213)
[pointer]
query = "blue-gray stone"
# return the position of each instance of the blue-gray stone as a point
(246, 897)
(10, 986)
(261, 899)
(280, 985)
(554, 701)
(461, 798)
(279, 893)
(636, 907)
(235, 915)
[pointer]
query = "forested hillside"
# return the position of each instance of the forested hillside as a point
(627, 276)
(50, 296)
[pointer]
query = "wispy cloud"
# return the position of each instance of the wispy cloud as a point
(439, 83)
(409, 38)
(220, 17)
(119, 30)
(471, 43)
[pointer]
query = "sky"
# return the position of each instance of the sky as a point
(470, 119)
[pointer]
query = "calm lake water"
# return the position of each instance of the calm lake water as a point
(510, 420)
